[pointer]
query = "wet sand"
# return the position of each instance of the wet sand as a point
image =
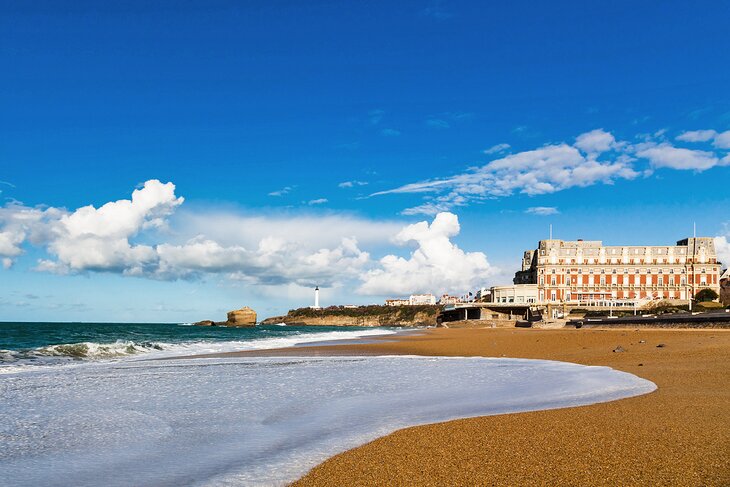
(678, 435)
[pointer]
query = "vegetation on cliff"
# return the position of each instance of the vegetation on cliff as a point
(372, 315)
(399, 313)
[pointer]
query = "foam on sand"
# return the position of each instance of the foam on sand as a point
(257, 421)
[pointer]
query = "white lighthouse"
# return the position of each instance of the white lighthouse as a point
(316, 297)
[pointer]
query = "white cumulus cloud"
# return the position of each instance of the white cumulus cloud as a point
(351, 184)
(19, 224)
(595, 141)
(436, 265)
(274, 262)
(98, 238)
(596, 157)
(143, 237)
(318, 201)
(720, 140)
(542, 210)
(697, 135)
(666, 155)
(495, 149)
(541, 171)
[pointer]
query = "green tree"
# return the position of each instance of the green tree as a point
(705, 295)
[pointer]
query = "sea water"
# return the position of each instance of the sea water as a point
(24, 345)
(255, 421)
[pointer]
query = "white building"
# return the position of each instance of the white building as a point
(515, 293)
(414, 300)
(421, 299)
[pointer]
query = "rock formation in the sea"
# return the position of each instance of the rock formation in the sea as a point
(372, 315)
(239, 317)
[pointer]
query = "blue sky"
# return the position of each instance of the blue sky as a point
(257, 112)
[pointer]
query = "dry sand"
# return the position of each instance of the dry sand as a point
(678, 435)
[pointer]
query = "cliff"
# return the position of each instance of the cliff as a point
(361, 316)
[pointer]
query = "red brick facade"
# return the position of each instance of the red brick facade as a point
(725, 288)
(585, 271)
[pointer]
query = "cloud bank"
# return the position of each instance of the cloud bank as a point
(147, 237)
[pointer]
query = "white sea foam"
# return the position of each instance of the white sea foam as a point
(256, 421)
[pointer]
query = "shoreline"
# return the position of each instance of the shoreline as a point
(678, 435)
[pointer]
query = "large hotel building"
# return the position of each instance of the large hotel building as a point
(587, 271)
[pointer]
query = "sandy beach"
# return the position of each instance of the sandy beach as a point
(678, 435)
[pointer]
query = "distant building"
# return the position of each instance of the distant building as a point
(725, 288)
(421, 299)
(583, 271)
(516, 293)
(528, 273)
(483, 295)
(446, 299)
(414, 300)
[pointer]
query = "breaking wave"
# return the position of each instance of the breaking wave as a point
(120, 349)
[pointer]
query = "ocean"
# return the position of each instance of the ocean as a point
(110, 414)
(33, 344)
